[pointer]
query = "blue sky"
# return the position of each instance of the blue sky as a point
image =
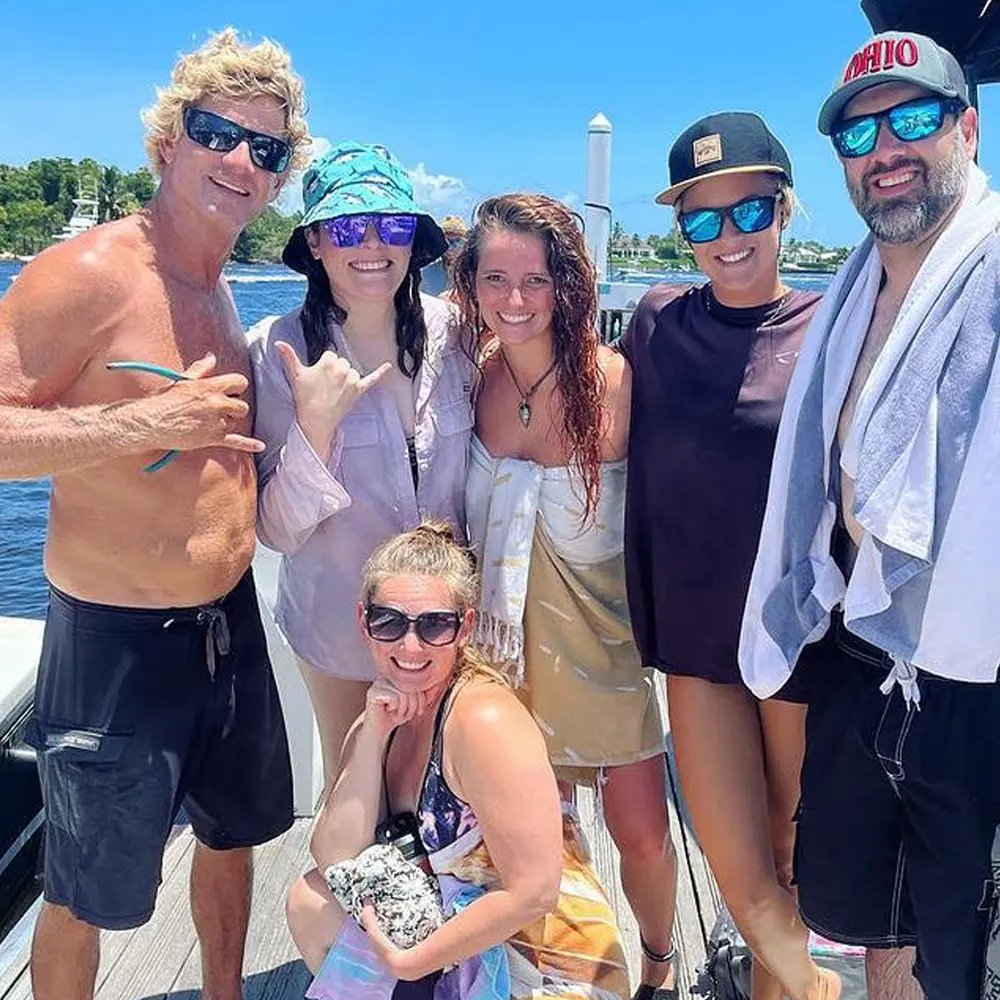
(474, 96)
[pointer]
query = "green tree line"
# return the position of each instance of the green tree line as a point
(668, 250)
(36, 202)
(672, 250)
(264, 239)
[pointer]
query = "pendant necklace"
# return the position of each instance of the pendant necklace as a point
(524, 407)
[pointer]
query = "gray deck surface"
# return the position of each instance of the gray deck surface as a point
(160, 960)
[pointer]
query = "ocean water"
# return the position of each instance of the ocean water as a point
(259, 290)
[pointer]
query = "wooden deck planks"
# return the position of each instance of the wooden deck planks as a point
(271, 966)
(143, 962)
(161, 959)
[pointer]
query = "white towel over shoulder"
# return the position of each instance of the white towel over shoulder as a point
(924, 452)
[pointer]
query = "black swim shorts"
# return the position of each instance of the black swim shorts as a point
(899, 809)
(138, 712)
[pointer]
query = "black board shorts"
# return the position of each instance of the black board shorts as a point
(900, 805)
(138, 712)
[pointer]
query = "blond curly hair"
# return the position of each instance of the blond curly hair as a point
(225, 66)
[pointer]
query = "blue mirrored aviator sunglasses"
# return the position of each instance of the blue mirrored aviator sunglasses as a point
(909, 121)
(222, 135)
(394, 229)
(751, 215)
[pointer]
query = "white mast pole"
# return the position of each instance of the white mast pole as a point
(597, 210)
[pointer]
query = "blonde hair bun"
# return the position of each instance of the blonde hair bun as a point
(436, 529)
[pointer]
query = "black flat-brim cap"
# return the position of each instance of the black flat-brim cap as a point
(731, 142)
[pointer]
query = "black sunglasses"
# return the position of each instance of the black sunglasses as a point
(222, 135)
(909, 121)
(435, 628)
(751, 215)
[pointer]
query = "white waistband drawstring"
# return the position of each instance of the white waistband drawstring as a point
(904, 674)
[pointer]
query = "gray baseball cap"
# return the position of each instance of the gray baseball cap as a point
(891, 57)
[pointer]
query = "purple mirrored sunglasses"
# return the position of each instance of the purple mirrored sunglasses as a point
(395, 230)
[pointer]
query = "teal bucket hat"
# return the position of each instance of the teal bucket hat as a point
(351, 179)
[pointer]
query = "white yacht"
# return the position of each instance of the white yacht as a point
(85, 214)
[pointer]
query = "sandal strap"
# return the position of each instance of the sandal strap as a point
(656, 956)
(647, 992)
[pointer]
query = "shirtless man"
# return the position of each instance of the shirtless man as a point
(877, 539)
(154, 687)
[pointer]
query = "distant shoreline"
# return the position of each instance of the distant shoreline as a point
(6, 256)
(675, 269)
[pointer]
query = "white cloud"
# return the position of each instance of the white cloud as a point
(440, 194)
(290, 199)
(319, 147)
(572, 200)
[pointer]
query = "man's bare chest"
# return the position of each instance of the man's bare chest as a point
(162, 326)
(178, 328)
(883, 319)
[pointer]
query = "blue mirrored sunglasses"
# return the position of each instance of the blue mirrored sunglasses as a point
(909, 121)
(751, 215)
(394, 229)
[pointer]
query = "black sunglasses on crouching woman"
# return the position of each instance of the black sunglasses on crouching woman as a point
(434, 628)
(221, 135)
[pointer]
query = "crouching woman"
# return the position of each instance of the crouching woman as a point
(445, 744)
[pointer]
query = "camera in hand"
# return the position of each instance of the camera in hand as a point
(402, 830)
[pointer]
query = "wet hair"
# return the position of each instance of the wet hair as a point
(579, 377)
(432, 550)
(321, 309)
(227, 67)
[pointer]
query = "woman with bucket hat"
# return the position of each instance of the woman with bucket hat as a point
(711, 366)
(363, 401)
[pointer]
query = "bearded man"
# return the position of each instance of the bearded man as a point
(877, 573)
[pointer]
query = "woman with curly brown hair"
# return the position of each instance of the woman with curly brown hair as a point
(545, 507)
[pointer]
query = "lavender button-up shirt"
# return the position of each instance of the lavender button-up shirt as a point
(326, 518)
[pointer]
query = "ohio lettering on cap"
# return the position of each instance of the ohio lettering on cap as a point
(882, 54)
(895, 56)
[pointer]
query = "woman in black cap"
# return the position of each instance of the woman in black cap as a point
(711, 366)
